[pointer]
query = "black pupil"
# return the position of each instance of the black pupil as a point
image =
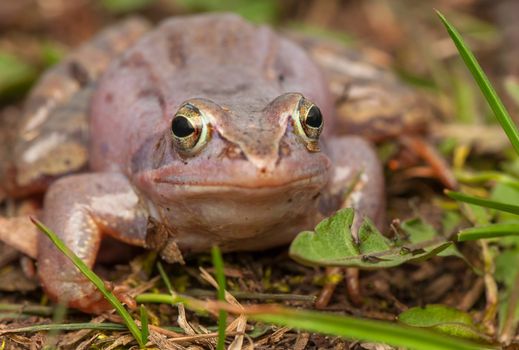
(182, 127)
(314, 118)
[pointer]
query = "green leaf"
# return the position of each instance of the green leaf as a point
(487, 203)
(451, 220)
(507, 266)
(484, 84)
(96, 280)
(421, 231)
(332, 245)
(418, 229)
(444, 319)
(490, 231)
(15, 76)
(220, 279)
(363, 329)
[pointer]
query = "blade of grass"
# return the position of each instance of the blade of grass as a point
(482, 202)
(60, 312)
(490, 231)
(145, 331)
(39, 310)
(485, 176)
(165, 279)
(79, 326)
(220, 278)
(484, 84)
(65, 327)
(368, 330)
(339, 325)
(96, 280)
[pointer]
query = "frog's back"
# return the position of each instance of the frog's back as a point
(220, 57)
(51, 135)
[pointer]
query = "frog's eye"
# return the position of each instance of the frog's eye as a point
(312, 122)
(189, 130)
(309, 123)
(182, 127)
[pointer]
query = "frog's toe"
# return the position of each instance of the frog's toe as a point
(122, 293)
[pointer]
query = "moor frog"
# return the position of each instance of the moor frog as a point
(209, 128)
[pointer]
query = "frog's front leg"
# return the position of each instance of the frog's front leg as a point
(80, 209)
(358, 180)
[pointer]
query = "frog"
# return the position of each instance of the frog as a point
(206, 130)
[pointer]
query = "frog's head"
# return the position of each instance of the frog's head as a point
(239, 165)
(243, 145)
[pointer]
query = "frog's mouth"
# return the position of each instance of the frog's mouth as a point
(222, 175)
(238, 217)
(262, 185)
(237, 202)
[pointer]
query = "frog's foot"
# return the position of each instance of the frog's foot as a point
(80, 209)
(358, 180)
(357, 183)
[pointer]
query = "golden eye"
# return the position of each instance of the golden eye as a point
(309, 123)
(312, 122)
(189, 131)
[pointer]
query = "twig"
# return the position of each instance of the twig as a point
(470, 298)
(490, 289)
(333, 276)
(508, 330)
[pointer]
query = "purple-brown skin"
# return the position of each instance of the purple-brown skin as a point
(253, 180)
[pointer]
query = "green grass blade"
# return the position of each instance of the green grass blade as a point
(220, 279)
(482, 202)
(490, 231)
(165, 278)
(28, 309)
(65, 327)
(347, 326)
(484, 84)
(367, 330)
(145, 331)
(96, 280)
